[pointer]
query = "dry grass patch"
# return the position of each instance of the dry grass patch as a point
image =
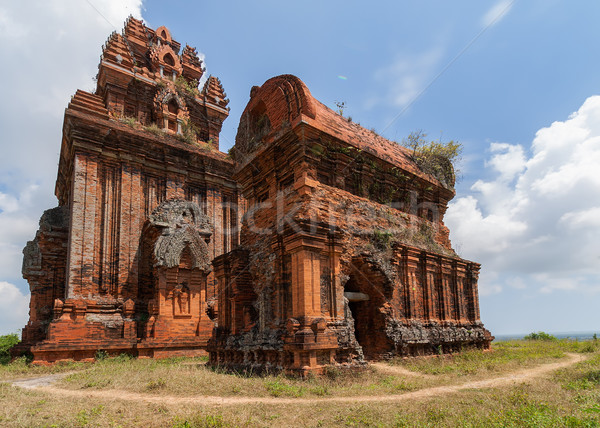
(22, 369)
(189, 377)
(504, 357)
(568, 398)
(25, 408)
(538, 404)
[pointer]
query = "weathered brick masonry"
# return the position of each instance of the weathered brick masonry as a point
(139, 163)
(343, 254)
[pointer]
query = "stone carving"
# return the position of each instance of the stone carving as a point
(181, 224)
(180, 294)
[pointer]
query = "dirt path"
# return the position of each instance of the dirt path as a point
(44, 385)
(39, 382)
(398, 370)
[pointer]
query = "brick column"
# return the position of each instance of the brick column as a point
(434, 286)
(306, 282)
(473, 270)
(220, 274)
(412, 283)
(226, 222)
(242, 207)
(82, 226)
(460, 270)
(106, 247)
(214, 211)
(446, 273)
(336, 298)
(131, 220)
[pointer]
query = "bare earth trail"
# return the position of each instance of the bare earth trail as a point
(398, 370)
(44, 384)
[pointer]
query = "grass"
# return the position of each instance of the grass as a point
(510, 355)
(569, 397)
(154, 129)
(20, 369)
(188, 377)
(128, 120)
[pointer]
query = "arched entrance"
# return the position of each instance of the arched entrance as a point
(364, 292)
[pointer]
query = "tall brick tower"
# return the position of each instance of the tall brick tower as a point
(146, 201)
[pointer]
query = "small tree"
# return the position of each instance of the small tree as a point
(434, 157)
(540, 335)
(7, 342)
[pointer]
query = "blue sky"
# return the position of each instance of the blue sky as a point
(512, 76)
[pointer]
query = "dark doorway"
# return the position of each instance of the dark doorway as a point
(358, 316)
(365, 301)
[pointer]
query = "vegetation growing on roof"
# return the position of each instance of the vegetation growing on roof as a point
(128, 120)
(154, 129)
(435, 157)
(183, 87)
(189, 132)
(382, 239)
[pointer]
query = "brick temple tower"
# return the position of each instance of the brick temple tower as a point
(344, 255)
(146, 201)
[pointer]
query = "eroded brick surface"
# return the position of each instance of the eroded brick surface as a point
(344, 254)
(124, 263)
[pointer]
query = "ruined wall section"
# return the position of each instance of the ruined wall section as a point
(44, 269)
(347, 252)
(360, 173)
(421, 293)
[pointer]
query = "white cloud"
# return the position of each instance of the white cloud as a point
(14, 308)
(8, 203)
(488, 284)
(482, 234)
(508, 160)
(407, 77)
(517, 283)
(582, 219)
(496, 13)
(536, 224)
(48, 49)
(19, 217)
